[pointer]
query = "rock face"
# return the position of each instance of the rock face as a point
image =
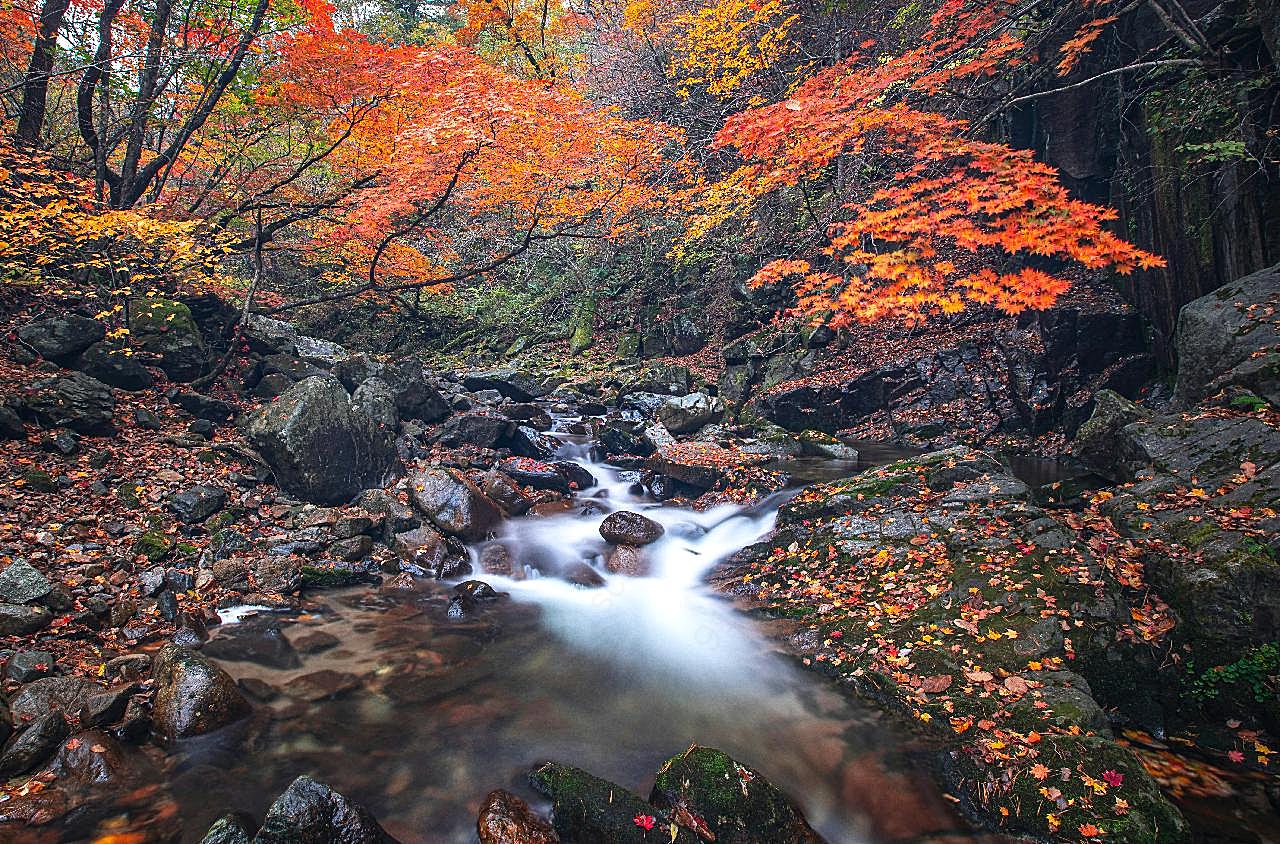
(506, 819)
(1219, 335)
(454, 504)
(322, 449)
(193, 695)
(627, 528)
(61, 338)
(735, 803)
(309, 812)
(687, 414)
(75, 401)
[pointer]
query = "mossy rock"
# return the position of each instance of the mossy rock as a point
(130, 494)
(1057, 806)
(38, 481)
(153, 545)
(166, 328)
(335, 575)
(588, 810)
(737, 804)
(629, 345)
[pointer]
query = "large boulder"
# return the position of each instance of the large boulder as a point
(321, 447)
(61, 338)
(736, 804)
(116, 366)
(627, 528)
(22, 583)
(511, 383)
(74, 401)
(165, 328)
(68, 694)
(474, 429)
(454, 504)
(416, 396)
(687, 414)
(309, 812)
(1225, 330)
(193, 695)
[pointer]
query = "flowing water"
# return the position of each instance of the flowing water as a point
(427, 715)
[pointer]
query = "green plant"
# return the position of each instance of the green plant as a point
(1248, 402)
(1255, 673)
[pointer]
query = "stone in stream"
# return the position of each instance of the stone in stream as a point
(506, 819)
(535, 474)
(687, 414)
(707, 790)
(588, 810)
(581, 574)
(45, 695)
(309, 812)
(231, 828)
(258, 640)
(628, 560)
(431, 554)
(193, 695)
(627, 528)
(454, 504)
(525, 441)
(34, 744)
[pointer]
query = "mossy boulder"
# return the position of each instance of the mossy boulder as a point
(736, 804)
(166, 329)
(588, 810)
(153, 545)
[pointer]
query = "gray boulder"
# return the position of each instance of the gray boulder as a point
(193, 695)
(19, 620)
(375, 399)
(22, 583)
(687, 414)
(1096, 442)
(322, 448)
(474, 429)
(61, 338)
(416, 395)
(454, 504)
(74, 401)
(1223, 330)
(198, 503)
(116, 366)
(309, 812)
(627, 528)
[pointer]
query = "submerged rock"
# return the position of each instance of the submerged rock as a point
(506, 819)
(193, 695)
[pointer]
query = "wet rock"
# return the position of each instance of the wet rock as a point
(321, 449)
(689, 413)
(61, 338)
(74, 401)
(530, 414)
(352, 549)
(820, 444)
(578, 476)
(325, 684)
(68, 694)
(534, 473)
(26, 666)
(309, 812)
(525, 441)
(230, 829)
(1096, 442)
(193, 695)
(495, 558)
(257, 640)
(108, 707)
(34, 745)
(475, 429)
(627, 528)
(628, 560)
(432, 554)
(708, 790)
(317, 642)
(581, 574)
(512, 384)
(454, 504)
(22, 583)
(506, 819)
(500, 488)
(477, 590)
(397, 517)
(588, 810)
(198, 503)
(333, 574)
(19, 620)
(259, 690)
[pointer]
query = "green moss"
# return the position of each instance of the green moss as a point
(153, 545)
(130, 494)
(38, 481)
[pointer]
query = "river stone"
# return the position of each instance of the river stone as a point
(309, 812)
(257, 640)
(506, 819)
(34, 744)
(581, 574)
(454, 504)
(1216, 332)
(528, 442)
(22, 583)
(193, 695)
(115, 366)
(20, 620)
(736, 804)
(628, 560)
(231, 828)
(588, 810)
(475, 429)
(529, 472)
(68, 694)
(687, 414)
(513, 384)
(500, 488)
(627, 528)
(321, 448)
(75, 401)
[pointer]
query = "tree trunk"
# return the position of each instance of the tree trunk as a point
(35, 86)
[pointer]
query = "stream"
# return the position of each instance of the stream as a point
(419, 716)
